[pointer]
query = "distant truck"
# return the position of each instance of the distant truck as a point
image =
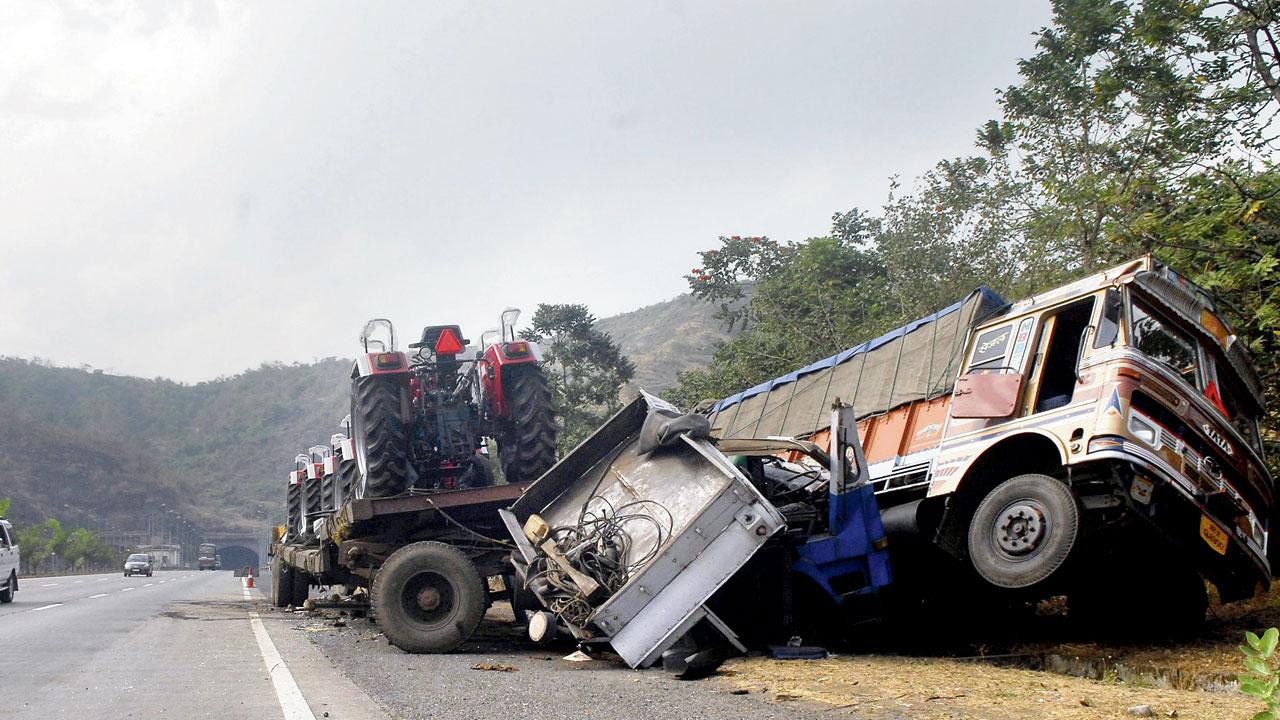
(1099, 439)
(208, 557)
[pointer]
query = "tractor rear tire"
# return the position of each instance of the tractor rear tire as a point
(527, 445)
(293, 510)
(428, 597)
(348, 478)
(1023, 531)
(381, 443)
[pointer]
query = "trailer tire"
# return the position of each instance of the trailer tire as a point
(428, 597)
(527, 443)
(301, 588)
(1023, 531)
(281, 583)
(378, 433)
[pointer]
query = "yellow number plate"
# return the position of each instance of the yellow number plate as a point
(1214, 535)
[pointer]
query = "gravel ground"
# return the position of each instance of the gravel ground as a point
(541, 685)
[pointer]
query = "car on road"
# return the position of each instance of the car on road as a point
(8, 562)
(137, 564)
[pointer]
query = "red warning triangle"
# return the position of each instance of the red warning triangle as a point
(448, 343)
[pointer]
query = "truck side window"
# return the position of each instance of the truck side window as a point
(1058, 372)
(4, 538)
(1109, 323)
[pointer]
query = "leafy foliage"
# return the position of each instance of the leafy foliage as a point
(586, 368)
(1261, 678)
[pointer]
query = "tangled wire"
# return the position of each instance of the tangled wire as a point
(599, 546)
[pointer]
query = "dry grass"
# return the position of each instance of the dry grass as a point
(878, 686)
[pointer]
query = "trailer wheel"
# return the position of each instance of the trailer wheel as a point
(1023, 530)
(527, 443)
(301, 588)
(428, 597)
(281, 583)
(382, 448)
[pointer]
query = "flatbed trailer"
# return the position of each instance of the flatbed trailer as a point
(426, 559)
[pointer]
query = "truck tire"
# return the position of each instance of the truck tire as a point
(1023, 530)
(281, 583)
(382, 447)
(313, 493)
(1101, 604)
(10, 587)
(428, 597)
(527, 443)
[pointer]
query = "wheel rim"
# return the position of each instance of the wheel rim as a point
(429, 598)
(1021, 528)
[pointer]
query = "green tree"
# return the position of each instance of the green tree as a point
(587, 369)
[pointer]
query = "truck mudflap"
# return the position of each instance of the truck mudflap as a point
(627, 537)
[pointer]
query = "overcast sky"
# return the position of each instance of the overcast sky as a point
(190, 189)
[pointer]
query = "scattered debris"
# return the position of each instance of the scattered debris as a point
(495, 667)
(797, 652)
(577, 656)
(1142, 711)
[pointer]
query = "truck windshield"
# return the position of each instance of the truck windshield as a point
(1160, 341)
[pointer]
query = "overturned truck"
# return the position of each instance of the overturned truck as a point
(1099, 440)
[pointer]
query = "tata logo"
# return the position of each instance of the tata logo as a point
(1217, 438)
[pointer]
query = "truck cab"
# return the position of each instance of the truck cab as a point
(1128, 390)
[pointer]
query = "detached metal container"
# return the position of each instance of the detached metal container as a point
(717, 520)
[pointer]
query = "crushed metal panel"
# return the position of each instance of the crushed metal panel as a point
(718, 521)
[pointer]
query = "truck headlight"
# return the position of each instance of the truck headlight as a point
(1144, 430)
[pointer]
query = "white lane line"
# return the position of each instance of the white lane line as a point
(128, 589)
(97, 596)
(77, 582)
(49, 585)
(46, 607)
(292, 703)
(148, 585)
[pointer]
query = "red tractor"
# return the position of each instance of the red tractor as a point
(420, 421)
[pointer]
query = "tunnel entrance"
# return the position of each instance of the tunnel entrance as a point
(236, 557)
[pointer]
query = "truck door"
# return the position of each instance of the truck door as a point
(1055, 371)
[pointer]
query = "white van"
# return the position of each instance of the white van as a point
(8, 562)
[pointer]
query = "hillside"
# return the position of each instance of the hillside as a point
(666, 338)
(89, 447)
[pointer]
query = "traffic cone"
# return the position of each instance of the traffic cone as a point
(249, 577)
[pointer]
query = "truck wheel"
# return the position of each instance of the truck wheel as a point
(1102, 605)
(1023, 530)
(527, 444)
(428, 597)
(10, 587)
(382, 448)
(301, 587)
(281, 583)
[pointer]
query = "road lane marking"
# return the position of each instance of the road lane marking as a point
(128, 589)
(77, 582)
(292, 703)
(98, 595)
(148, 585)
(46, 607)
(49, 585)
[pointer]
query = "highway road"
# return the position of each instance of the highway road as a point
(178, 644)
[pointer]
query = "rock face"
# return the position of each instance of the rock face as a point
(666, 338)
